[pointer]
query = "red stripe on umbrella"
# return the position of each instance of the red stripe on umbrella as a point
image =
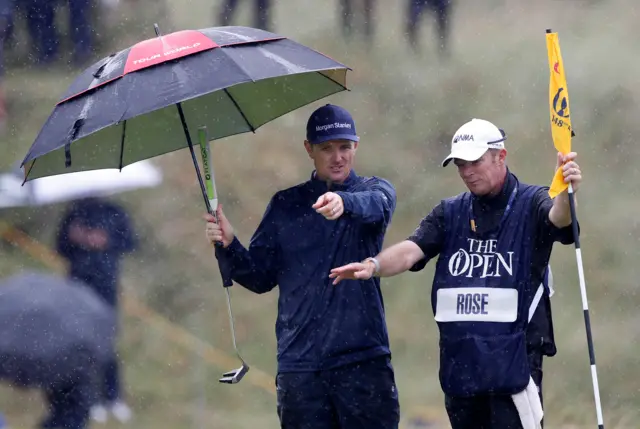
(166, 48)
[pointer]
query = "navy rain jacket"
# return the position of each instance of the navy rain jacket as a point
(319, 326)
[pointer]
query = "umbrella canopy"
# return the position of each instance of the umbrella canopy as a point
(52, 330)
(230, 79)
(73, 186)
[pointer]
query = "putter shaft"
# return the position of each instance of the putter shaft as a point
(233, 328)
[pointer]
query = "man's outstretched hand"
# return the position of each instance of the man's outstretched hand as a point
(353, 271)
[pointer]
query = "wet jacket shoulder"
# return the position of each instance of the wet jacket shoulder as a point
(370, 200)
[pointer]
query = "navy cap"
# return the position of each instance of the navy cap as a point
(331, 122)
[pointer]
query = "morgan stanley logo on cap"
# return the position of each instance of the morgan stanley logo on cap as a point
(331, 122)
(473, 139)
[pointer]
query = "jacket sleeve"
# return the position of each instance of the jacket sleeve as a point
(373, 204)
(255, 268)
(547, 231)
(429, 236)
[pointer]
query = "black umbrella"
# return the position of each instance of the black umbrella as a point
(143, 101)
(52, 330)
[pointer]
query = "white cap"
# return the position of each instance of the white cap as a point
(473, 139)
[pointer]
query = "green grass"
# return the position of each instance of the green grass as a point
(406, 109)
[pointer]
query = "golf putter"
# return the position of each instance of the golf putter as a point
(231, 377)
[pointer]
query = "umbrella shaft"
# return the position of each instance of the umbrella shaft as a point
(194, 158)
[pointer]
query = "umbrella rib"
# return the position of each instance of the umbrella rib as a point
(124, 132)
(29, 172)
(235, 103)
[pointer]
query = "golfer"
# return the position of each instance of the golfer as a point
(334, 365)
(494, 244)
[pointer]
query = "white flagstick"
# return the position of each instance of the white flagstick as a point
(585, 307)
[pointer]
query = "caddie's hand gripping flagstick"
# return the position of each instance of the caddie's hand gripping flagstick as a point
(236, 375)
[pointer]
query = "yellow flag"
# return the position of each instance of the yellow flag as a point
(561, 129)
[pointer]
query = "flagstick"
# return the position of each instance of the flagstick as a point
(585, 307)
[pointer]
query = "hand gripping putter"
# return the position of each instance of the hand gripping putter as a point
(236, 375)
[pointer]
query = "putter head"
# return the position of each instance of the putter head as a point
(233, 377)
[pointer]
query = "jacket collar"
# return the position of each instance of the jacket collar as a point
(502, 198)
(319, 184)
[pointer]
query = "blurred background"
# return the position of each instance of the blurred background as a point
(419, 72)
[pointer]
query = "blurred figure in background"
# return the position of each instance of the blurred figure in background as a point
(40, 17)
(80, 24)
(261, 13)
(6, 21)
(68, 405)
(364, 10)
(45, 36)
(442, 10)
(94, 236)
(56, 337)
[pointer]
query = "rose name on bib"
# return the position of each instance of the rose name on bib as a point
(477, 304)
